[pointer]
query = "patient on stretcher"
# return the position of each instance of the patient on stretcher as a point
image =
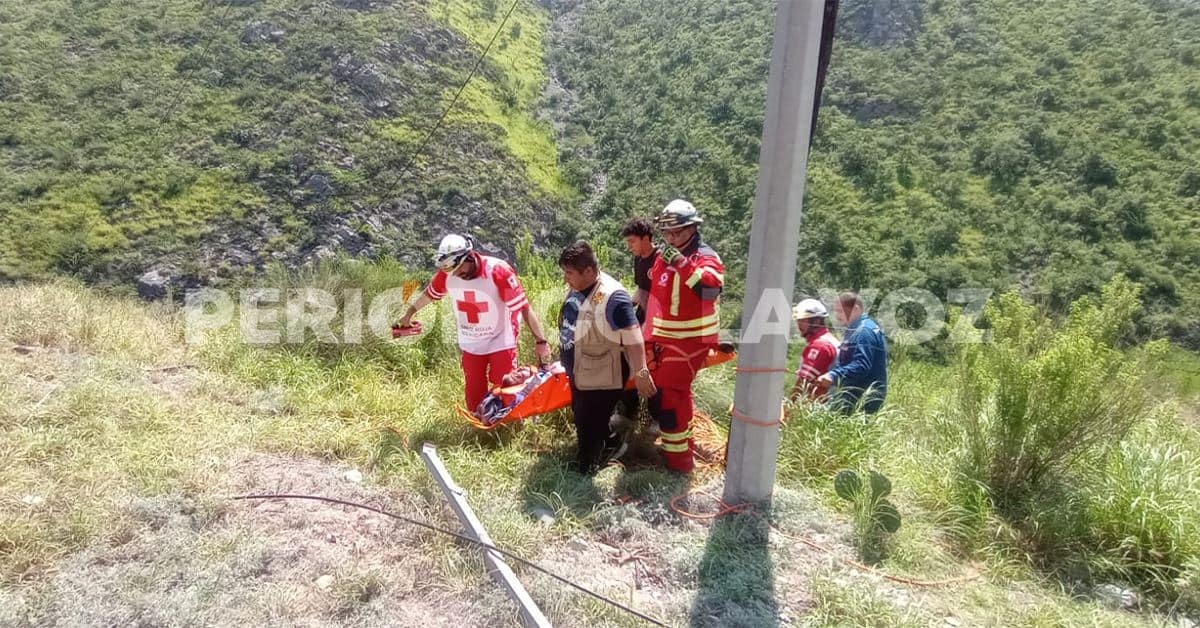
(512, 390)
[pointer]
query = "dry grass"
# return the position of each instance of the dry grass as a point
(64, 316)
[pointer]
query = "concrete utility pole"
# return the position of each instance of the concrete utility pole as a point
(774, 236)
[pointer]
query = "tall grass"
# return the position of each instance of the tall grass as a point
(816, 442)
(1040, 396)
(1143, 510)
(1124, 502)
(1063, 455)
(83, 424)
(65, 316)
(1048, 446)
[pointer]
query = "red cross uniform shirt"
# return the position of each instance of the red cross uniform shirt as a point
(817, 357)
(485, 306)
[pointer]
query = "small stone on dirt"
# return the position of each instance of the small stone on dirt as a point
(544, 516)
(33, 500)
(1116, 596)
(353, 475)
(324, 582)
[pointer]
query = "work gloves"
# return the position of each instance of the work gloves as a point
(671, 255)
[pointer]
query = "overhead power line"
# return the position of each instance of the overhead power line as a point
(391, 187)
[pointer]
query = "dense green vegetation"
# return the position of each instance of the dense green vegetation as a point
(999, 144)
(211, 137)
(1045, 148)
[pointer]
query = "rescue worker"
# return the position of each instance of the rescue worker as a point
(601, 344)
(860, 374)
(686, 282)
(487, 299)
(638, 234)
(820, 352)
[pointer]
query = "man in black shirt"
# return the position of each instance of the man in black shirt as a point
(637, 234)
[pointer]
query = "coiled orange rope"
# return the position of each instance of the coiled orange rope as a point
(745, 418)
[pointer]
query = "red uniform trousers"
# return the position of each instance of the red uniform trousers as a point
(479, 370)
(673, 365)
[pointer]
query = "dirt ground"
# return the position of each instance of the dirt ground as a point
(213, 562)
(209, 561)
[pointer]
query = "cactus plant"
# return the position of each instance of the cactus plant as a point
(847, 484)
(874, 514)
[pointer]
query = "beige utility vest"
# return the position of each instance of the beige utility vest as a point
(597, 344)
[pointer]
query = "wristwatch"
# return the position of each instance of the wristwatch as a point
(645, 372)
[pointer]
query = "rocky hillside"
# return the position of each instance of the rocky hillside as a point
(999, 144)
(204, 140)
(1045, 147)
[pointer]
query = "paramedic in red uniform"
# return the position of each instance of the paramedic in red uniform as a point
(820, 352)
(487, 298)
(685, 283)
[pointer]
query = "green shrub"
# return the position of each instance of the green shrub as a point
(1143, 512)
(1040, 395)
(1062, 441)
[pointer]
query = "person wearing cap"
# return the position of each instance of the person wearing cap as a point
(683, 325)
(487, 298)
(820, 352)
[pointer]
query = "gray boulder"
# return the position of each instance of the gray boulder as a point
(153, 285)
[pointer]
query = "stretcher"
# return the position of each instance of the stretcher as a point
(553, 392)
(413, 329)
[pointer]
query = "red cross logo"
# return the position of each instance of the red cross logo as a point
(471, 307)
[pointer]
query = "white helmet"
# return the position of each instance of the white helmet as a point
(809, 308)
(677, 215)
(452, 251)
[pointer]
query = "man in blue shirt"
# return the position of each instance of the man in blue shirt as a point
(860, 373)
